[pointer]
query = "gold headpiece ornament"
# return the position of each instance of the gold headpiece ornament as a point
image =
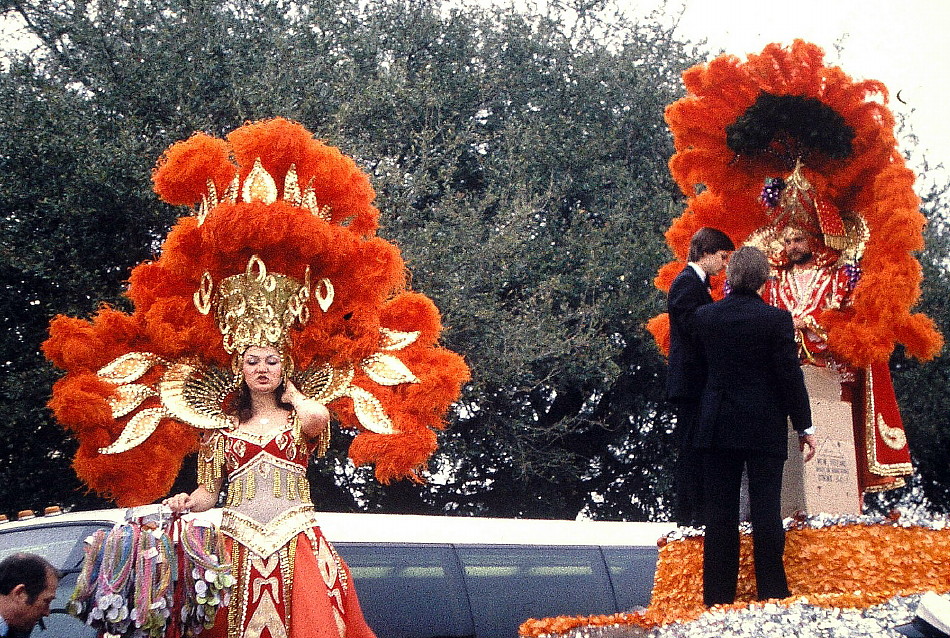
(259, 186)
(257, 308)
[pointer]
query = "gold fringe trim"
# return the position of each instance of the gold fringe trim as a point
(211, 461)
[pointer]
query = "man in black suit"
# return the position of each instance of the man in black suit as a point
(754, 385)
(709, 249)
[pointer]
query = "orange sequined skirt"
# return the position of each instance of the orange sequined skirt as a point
(308, 574)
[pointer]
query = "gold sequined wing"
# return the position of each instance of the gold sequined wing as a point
(188, 392)
(324, 383)
(194, 394)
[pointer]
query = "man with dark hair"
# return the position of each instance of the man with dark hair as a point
(27, 588)
(709, 249)
(753, 386)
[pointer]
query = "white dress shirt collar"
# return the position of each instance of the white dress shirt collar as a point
(699, 271)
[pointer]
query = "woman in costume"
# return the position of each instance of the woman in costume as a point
(299, 582)
(277, 275)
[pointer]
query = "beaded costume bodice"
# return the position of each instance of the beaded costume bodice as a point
(268, 500)
(806, 293)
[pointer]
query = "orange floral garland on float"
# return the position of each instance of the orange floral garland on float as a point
(275, 205)
(837, 565)
(723, 189)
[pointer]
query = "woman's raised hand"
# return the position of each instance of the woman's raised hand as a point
(313, 415)
(291, 394)
(179, 503)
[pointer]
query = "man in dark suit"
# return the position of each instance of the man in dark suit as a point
(27, 588)
(754, 385)
(709, 249)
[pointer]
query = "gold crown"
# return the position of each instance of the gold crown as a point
(259, 186)
(258, 308)
(802, 207)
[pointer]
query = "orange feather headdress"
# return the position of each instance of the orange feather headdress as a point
(281, 251)
(855, 169)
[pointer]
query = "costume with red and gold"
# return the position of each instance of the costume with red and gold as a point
(812, 291)
(806, 130)
(807, 292)
(279, 557)
(280, 251)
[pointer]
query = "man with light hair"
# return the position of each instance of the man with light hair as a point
(754, 385)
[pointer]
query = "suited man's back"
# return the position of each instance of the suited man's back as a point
(754, 382)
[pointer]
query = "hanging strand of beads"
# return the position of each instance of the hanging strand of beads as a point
(80, 603)
(155, 566)
(207, 575)
(114, 585)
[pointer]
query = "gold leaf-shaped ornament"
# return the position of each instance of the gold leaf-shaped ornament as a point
(129, 367)
(310, 203)
(392, 340)
(387, 369)
(140, 427)
(128, 397)
(208, 202)
(369, 412)
(231, 192)
(203, 210)
(292, 192)
(259, 186)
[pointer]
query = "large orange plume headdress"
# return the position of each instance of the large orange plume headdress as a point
(782, 116)
(281, 250)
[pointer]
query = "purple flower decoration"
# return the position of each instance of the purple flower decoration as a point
(772, 191)
(854, 274)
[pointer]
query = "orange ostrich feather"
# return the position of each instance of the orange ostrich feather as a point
(722, 189)
(339, 245)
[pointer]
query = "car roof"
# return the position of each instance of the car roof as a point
(411, 528)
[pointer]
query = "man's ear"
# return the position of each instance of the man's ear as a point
(19, 593)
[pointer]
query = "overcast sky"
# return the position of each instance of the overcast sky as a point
(905, 44)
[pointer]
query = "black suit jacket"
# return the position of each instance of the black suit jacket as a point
(686, 375)
(754, 383)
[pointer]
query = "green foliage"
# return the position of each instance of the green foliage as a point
(68, 197)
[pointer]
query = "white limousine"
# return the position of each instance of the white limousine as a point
(426, 576)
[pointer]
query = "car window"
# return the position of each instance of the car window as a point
(62, 545)
(631, 573)
(409, 590)
(509, 584)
